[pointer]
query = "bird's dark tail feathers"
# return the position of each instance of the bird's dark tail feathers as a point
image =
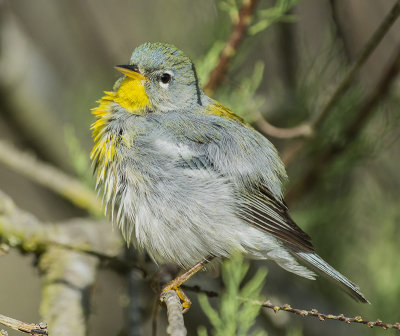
(316, 263)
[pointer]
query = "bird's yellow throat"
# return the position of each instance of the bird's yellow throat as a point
(131, 95)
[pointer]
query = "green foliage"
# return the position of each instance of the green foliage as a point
(242, 99)
(277, 13)
(205, 65)
(231, 7)
(235, 316)
(264, 17)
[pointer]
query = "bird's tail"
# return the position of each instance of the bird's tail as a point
(316, 263)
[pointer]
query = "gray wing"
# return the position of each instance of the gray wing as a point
(261, 209)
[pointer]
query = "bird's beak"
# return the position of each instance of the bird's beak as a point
(130, 71)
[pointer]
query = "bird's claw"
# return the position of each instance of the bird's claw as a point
(186, 303)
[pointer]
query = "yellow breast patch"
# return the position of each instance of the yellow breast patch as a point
(129, 95)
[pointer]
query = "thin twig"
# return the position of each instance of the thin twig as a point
(37, 329)
(233, 42)
(50, 177)
(369, 48)
(303, 312)
(322, 316)
(198, 289)
(176, 325)
(350, 132)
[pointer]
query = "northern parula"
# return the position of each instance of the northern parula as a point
(187, 179)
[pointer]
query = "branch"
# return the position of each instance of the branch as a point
(198, 289)
(303, 130)
(22, 230)
(229, 50)
(323, 317)
(369, 48)
(67, 280)
(350, 132)
(50, 177)
(38, 329)
(176, 325)
(303, 312)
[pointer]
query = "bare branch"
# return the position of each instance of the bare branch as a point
(369, 48)
(303, 130)
(36, 329)
(176, 325)
(323, 317)
(21, 229)
(50, 177)
(232, 44)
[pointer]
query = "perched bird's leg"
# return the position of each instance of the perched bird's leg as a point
(179, 280)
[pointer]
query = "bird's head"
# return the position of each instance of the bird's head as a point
(159, 77)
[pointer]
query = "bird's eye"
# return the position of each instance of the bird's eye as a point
(165, 78)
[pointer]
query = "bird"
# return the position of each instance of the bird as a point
(188, 180)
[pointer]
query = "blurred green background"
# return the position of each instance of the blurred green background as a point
(56, 58)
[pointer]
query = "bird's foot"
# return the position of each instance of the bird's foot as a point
(186, 303)
(179, 280)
